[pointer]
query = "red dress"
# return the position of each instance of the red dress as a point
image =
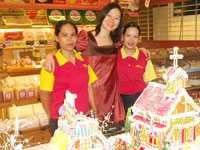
(103, 60)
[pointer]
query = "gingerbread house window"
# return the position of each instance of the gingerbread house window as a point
(192, 133)
(137, 131)
(180, 82)
(188, 108)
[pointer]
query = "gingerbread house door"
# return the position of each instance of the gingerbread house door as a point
(181, 136)
(152, 139)
(192, 134)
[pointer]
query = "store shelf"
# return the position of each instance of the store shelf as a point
(46, 47)
(193, 70)
(161, 59)
(193, 88)
(3, 74)
(4, 104)
(22, 72)
(36, 136)
(19, 102)
(27, 101)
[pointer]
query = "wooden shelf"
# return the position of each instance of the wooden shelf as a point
(3, 74)
(160, 59)
(27, 101)
(4, 104)
(37, 135)
(19, 102)
(46, 47)
(23, 72)
(193, 88)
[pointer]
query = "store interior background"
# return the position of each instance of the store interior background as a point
(163, 26)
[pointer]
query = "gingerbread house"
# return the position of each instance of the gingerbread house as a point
(166, 113)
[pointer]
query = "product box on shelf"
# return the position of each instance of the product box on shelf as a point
(8, 94)
(1, 93)
(20, 92)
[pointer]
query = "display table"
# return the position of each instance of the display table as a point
(39, 147)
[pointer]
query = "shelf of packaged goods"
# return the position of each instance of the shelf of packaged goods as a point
(23, 72)
(27, 101)
(4, 104)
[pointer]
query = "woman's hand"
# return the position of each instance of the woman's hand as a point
(82, 41)
(146, 53)
(49, 64)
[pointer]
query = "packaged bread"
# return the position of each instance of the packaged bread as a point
(1, 95)
(8, 94)
(41, 35)
(30, 91)
(26, 63)
(20, 92)
(28, 35)
(12, 64)
(35, 82)
(36, 87)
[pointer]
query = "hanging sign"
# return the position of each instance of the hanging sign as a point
(75, 16)
(55, 15)
(90, 16)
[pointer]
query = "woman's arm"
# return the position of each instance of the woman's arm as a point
(49, 64)
(91, 98)
(45, 97)
(146, 52)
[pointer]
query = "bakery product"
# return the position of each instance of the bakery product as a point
(166, 114)
(76, 131)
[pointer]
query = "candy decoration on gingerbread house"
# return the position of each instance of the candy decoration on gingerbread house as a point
(166, 113)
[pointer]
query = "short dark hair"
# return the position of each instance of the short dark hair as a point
(131, 24)
(118, 31)
(59, 25)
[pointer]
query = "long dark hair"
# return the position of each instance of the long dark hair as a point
(131, 24)
(58, 27)
(117, 33)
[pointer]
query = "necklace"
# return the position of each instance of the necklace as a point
(104, 38)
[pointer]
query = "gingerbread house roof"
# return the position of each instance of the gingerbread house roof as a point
(173, 72)
(154, 100)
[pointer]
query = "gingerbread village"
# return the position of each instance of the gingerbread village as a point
(164, 117)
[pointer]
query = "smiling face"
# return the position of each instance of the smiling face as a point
(131, 38)
(67, 37)
(112, 19)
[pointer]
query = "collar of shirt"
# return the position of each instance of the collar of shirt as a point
(135, 55)
(63, 60)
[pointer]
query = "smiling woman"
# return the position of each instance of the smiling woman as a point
(134, 71)
(100, 47)
(72, 72)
